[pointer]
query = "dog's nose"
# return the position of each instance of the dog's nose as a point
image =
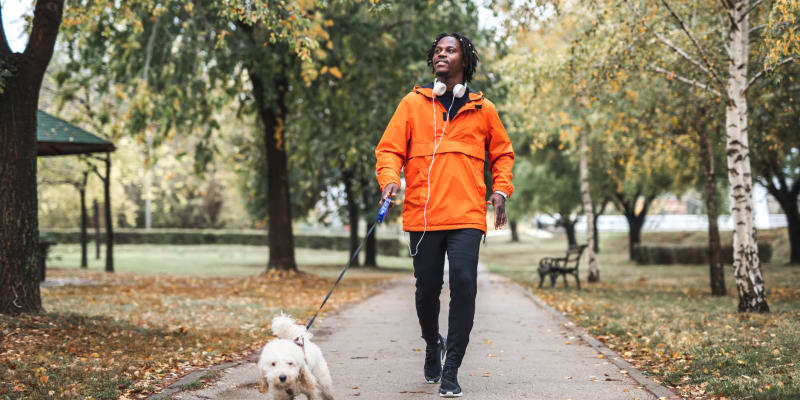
(282, 378)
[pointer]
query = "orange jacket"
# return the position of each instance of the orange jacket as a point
(458, 192)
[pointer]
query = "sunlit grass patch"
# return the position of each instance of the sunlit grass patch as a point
(206, 260)
(663, 320)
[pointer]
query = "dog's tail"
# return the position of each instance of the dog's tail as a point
(285, 327)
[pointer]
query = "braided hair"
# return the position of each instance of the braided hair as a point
(468, 54)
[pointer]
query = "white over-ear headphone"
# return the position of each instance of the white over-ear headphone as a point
(458, 90)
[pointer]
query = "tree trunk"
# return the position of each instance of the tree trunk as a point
(793, 221)
(352, 216)
(596, 234)
(746, 263)
(371, 251)
(514, 233)
(786, 193)
(635, 223)
(20, 270)
(787, 198)
(569, 228)
(370, 257)
(597, 214)
(273, 113)
(594, 273)
(715, 267)
(109, 219)
(19, 226)
(96, 230)
(84, 239)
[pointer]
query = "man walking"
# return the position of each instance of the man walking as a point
(439, 136)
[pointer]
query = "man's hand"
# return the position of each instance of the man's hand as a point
(390, 190)
(499, 204)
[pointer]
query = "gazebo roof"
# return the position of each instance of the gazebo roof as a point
(57, 137)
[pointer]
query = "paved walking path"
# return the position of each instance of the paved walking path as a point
(518, 350)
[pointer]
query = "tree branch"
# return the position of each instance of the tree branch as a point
(148, 54)
(619, 202)
(389, 27)
(750, 9)
(761, 73)
(46, 20)
(5, 49)
(685, 80)
(696, 43)
(682, 53)
(648, 200)
(669, 43)
(59, 182)
(757, 27)
(781, 177)
(762, 26)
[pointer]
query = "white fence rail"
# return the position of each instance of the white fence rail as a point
(674, 223)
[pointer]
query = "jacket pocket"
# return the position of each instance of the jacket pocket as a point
(448, 146)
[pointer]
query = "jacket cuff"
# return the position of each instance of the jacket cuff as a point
(388, 182)
(502, 193)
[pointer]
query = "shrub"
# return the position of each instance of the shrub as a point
(652, 254)
(392, 247)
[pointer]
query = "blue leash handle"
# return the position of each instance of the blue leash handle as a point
(384, 209)
(381, 214)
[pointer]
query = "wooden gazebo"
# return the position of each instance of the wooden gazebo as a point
(57, 137)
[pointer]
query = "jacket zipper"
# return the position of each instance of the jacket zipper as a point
(463, 108)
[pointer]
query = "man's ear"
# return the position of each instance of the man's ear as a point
(263, 384)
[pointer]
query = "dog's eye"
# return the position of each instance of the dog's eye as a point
(291, 363)
(273, 364)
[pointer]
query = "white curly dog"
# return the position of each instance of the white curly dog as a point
(290, 365)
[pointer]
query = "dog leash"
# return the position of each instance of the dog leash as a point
(381, 215)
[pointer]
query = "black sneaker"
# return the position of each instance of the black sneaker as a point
(450, 386)
(434, 357)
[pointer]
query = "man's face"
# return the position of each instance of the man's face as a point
(447, 58)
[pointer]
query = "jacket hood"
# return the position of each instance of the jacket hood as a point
(427, 91)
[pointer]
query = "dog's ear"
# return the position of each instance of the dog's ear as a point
(263, 384)
(305, 379)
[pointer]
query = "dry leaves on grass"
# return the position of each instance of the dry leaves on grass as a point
(128, 335)
(690, 341)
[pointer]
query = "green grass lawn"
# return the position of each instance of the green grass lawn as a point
(212, 260)
(663, 319)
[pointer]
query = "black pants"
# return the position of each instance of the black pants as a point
(462, 247)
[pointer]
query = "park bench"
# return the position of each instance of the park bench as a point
(562, 265)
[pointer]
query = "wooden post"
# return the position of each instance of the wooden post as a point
(96, 229)
(82, 189)
(109, 225)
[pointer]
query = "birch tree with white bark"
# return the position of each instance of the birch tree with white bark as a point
(721, 70)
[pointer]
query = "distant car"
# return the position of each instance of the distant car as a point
(544, 221)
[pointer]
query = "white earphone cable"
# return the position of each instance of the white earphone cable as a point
(430, 168)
